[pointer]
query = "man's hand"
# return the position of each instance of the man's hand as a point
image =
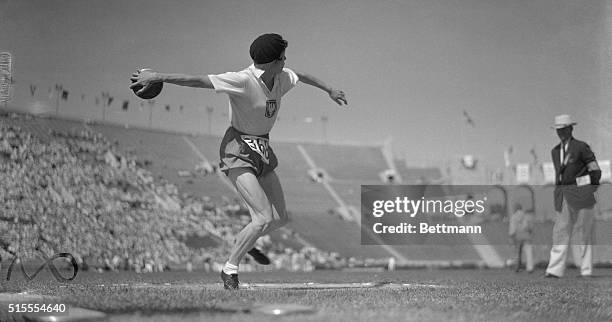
(595, 175)
(338, 96)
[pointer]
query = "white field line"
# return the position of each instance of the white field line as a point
(329, 188)
(306, 156)
(195, 149)
(482, 246)
(485, 250)
(280, 286)
(298, 238)
(387, 153)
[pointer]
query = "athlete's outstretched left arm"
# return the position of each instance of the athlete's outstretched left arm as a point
(336, 95)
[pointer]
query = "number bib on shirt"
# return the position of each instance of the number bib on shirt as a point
(257, 144)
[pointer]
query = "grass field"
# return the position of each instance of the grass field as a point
(426, 295)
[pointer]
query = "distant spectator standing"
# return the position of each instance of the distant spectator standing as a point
(577, 177)
(521, 231)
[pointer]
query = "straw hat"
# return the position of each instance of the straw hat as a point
(562, 121)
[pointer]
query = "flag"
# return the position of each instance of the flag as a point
(468, 119)
(534, 155)
(507, 154)
(469, 161)
(107, 99)
(522, 173)
(125, 104)
(65, 95)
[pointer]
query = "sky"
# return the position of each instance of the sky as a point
(414, 71)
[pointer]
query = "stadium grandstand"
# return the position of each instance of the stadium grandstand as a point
(201, 212)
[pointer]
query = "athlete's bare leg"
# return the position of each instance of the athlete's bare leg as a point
(265, 201)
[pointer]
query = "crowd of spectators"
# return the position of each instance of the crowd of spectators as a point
(73, 191)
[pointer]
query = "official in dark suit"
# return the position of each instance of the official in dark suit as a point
(577, 177)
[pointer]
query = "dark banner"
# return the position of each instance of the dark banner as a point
(477, 215)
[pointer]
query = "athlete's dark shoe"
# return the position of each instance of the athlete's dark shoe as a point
(259, 257)
(230, 281)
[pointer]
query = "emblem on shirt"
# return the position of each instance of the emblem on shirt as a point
(271, 107)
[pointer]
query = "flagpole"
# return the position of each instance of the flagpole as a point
(463, 138)
(57, 94)
(324, 122)
(104, 104)
(209, 111)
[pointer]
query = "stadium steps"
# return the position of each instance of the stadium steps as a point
(308, 202)
(310, 205)
(361, 163)
(41, 127)
(169, 154)
(207, 145)
(416, 175)
(291, 164)
(349, 191)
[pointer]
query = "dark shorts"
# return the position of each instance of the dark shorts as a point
(241, 150)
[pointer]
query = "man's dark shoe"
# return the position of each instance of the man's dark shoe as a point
(549, 275)
(259, 257)
(230, 281)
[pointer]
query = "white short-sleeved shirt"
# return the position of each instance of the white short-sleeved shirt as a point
(253, 107)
